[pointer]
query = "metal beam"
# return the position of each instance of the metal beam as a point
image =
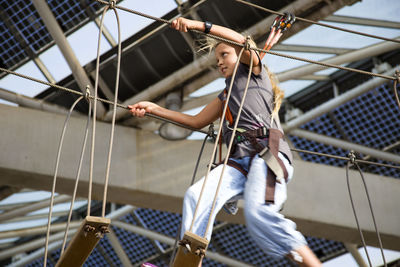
(363, 21)
(311, 49)
(370, 51)
(170, 241)
(55, 242)
(38, 205)
(375, 153)
(11, 26)
(26, 101)
(336, 102)
(119, 250)
(352, 249)
(38, 230)
(58, 35)
(147, 159)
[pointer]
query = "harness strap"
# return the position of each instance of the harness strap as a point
(237, 166)
(276, 168)
(228, 114)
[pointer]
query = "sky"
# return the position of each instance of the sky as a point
(130, 24)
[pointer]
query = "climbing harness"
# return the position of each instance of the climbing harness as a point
(278, 27)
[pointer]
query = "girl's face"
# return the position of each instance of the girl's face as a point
(226, 59)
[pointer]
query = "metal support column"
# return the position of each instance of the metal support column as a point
(58, 35)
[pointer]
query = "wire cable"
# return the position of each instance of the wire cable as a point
(77, 178)
(103, 213)
(55, 179)
(319, 23)
(352, 158)
(210, 134)
(179, 124)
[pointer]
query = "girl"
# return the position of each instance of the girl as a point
(275, 234)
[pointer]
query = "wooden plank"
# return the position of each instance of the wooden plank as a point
(85, 240)
(190, 258)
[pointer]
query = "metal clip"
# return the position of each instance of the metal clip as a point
(112, 4)
(247, 43)
(88, 228)
(211, 132)
(352, 156)
(102, 230)
(87, 93)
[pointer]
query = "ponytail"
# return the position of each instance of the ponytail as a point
(278, 93)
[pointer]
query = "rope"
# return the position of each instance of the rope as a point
(233, 132)
(114, 106)
(209, 134)
(77, 178)
(55, 178)
(352, 158)
(217, 138)
(94, 112)
(263, 50)
(344, 158)
(299, 58)
(319, 23)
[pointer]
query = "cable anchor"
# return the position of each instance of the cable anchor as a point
(87, 93)
(112, 4)
(352, 156)
(247, 43)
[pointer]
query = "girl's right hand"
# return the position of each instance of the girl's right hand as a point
(141, 108)
(183, 24)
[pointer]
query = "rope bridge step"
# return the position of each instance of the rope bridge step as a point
(91, 230)
(191, 250)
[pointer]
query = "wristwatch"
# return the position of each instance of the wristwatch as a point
(207, 26)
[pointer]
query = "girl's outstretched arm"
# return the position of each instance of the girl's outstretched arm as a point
(183, 25)
(208, 114)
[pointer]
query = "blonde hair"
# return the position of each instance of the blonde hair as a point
(278, 93)
(208, 44)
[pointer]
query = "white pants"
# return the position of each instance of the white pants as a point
(275, 234)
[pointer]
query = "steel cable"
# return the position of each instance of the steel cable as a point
(352, 161)
(103, 213)
(55, 178)
(217, 138)
(319, 23)
(209, 134)
(77, 178)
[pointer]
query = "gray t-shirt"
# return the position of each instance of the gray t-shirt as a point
(256, 110)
